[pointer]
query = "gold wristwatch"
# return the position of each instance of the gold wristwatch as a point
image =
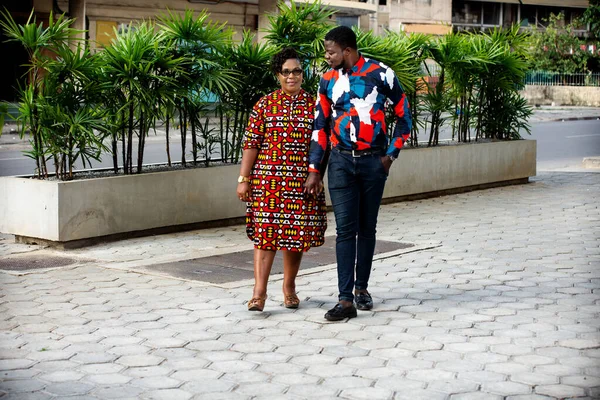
(242, 179)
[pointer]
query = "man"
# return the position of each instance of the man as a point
(350, 119)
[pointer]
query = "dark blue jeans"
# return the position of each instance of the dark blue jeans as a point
(356, 186)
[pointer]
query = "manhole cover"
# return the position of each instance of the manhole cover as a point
(232, 267)
(30, 262)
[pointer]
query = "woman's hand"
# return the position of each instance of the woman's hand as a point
(243, 191)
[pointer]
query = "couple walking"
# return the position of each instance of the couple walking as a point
(288, 138)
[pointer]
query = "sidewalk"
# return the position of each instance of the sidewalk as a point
(499, 302)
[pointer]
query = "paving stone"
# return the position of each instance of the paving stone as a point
(475, 396)
(425, 375)
(366, 393)
(481, 376)
(560, 391)
(452, 386)
(27, 396)
(156, 382)
(232, 366)
(312, 391)
(580, 344)
(22, 386)
(102, 368)
(118, 392)
(61, 376)
(140, 360)
(264, 389)
(505, 388)
(534, 360)
(63, 389)
(314, 360)
(534, 378)
(93, 358)
(108, 379)
(277, 367)
(347, 382)
(581, 381)
(208, 345)
(419, 394)
(168, 394)
(326, 371)
(6, 365)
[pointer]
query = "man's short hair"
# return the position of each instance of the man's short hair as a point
(343, 36)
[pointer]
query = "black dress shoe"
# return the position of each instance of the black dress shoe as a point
(364, 301)
(340, 312)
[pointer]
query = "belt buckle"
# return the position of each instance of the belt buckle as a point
(355, 155)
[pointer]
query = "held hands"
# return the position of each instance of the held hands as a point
(243, 191)
(313, 185)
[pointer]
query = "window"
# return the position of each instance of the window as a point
(466, 12)
(347, 21)
(491, 13)
(510, 14)
(528, 16)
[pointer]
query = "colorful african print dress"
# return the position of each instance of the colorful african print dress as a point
(280, 216)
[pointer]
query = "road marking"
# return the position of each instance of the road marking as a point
(16, 158)
(577, 136)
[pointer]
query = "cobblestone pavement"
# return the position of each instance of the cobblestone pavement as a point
(505, 308)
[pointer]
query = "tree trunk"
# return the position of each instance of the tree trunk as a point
(168, 146)
(128, 165)
(123, 147)
(115, 150)
(183, 125)
(141, 135)
(192, 118)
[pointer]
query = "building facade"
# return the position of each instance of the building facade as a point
(100, 17)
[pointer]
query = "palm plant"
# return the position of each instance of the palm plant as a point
(500, 78)
(451, 55)
(201, 43)
(404, 55)
(40, 43)
(249, 58)
(70, 119)
(302, 27)
(140, 69)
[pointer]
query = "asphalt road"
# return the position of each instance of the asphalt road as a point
(561, 147)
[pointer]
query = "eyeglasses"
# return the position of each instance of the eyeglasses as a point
(295, 72)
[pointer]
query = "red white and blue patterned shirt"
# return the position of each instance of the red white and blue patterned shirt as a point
(350, 111)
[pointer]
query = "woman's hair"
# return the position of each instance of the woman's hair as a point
(281, 57)
(343, 36)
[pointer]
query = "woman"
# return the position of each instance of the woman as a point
(280, 215)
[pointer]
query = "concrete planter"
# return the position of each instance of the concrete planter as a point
(77, 212)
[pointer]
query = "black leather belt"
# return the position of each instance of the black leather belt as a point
(360, 153)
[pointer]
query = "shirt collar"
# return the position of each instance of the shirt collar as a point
(357, 67)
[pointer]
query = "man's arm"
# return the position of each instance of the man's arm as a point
(402, 113)
(321, 129)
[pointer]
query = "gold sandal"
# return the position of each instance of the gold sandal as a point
(257, 303)
(291, 301)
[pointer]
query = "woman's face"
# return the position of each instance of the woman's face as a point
(290, 76)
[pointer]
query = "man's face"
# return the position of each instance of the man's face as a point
(334, 54)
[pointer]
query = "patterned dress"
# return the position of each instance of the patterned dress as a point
(280, 216)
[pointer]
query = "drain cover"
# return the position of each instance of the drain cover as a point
(33, 261)
(232, 267)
